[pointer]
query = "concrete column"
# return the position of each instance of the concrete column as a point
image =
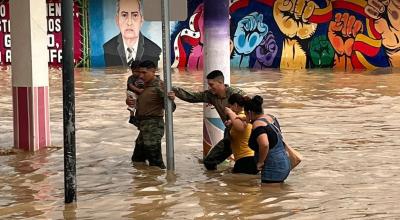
(216, 57)
(30, 74)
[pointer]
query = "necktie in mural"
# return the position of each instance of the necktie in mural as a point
(130, 56)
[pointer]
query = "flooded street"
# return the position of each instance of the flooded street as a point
(346, 125)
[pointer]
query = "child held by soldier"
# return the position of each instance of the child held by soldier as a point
(135, 87)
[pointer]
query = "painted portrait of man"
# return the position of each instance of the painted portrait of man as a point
(130, 44)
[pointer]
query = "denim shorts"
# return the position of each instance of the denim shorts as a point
(276, 167)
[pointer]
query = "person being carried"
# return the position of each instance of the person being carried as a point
(150, 115)
(266, 141)
(217, 95)
(239, 136)
(135, 87)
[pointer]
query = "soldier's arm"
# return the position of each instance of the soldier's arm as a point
(162, 95)
(189, 96)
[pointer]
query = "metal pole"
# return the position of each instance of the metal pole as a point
(67, 26)
(167, 82)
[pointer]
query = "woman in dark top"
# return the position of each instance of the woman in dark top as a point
(266, 141)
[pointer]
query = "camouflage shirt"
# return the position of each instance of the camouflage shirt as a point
(208, 97)
(151, 102)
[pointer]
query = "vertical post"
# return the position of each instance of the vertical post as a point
(30, 74)
(167, 79)
(216, 57)
(68, 100)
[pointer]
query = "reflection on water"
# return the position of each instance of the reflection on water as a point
(346, 125)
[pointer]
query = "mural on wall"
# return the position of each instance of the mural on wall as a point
(188, 40)
(122, 35)
(296, 34)
(54, 35)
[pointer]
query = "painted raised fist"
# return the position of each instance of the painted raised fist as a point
(342, 33)
(292, 17)
(249, 33)
(321, 51)
(386, 14)
(266, 51)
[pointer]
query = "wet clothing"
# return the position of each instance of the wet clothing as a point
(222, 149)
(150, 113)
(246, 165)
(208, 97)
(151, 102)
(276, 165)
(239, 140)
(148, 142)
(244, 156)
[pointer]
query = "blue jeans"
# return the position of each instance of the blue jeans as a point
(276, 165)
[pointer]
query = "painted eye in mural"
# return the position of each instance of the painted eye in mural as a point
(135, 15)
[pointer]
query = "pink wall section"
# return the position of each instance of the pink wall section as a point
(31, 119)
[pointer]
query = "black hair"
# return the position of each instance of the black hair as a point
(135, 64)
(254, 104)
(236, 98)
(215, 74)
(148, 64)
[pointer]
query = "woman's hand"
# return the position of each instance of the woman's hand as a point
(260, 165)
(228, 123)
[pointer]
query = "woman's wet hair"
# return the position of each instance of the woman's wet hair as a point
(254, 104)
(236, 98)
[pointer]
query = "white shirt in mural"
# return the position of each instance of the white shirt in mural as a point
(134, 51)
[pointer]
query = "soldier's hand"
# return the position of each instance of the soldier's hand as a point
(171, 95)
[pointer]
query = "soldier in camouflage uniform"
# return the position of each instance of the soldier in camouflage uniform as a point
(218, 96)
(150, 114)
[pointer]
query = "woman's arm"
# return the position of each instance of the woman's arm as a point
(237, 122)
(263, 147)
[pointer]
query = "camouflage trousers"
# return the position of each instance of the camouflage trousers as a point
(220, 152)
(148, 142)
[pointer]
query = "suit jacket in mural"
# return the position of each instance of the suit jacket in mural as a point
(114, 54)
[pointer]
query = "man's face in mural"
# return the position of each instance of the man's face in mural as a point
(129, 19)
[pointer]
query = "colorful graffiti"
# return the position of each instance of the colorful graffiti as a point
(296, 34)
(291, 34)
